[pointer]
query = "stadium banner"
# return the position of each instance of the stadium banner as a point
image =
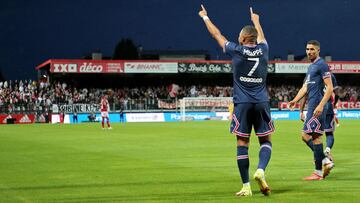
(348, 105)
(57, 118)
(162, 104)
(223, 115)
(340, 105)
(190, 116)
(145, 117)
(195, 116)
(283, 67)
(344, 67)
(84, 117)
(285, 115)
(348, 114)
(211, 67)
(80, 108)
(151, 67)
(205, 67)
(86, 66)
(301, 67)
(17, 118)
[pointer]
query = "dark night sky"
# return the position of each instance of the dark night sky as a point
(33, 31)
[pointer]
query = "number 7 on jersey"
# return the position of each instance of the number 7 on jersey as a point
(255, 65)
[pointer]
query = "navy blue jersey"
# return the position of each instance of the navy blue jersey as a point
(329, 104)
(249, 72)
(315, 76)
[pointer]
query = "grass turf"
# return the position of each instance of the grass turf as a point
(165, 162)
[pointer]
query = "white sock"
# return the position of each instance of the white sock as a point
(319, 172)
(246, 184)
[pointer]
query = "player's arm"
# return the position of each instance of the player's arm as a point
(329, 90)
(213, 30)
(255, 19)
(299, 95)
(302, 107)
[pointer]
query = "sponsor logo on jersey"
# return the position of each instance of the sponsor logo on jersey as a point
(252, 80)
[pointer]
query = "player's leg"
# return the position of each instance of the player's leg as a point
(308, 140)
(307, 129)
(314, 127)
(102, 119)
(242, 129)
(264, 127)
(243, 165)
(329, 144)
(336, 119)
(107, 120)
(337, 122)
(329, 131)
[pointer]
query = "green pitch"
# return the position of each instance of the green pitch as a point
(165, 162)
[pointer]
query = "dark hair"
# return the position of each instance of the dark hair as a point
(250, 33)
(314, 42)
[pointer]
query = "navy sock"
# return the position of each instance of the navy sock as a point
(329, 139)
(264, 154)
(243, 163)
(318, 155)
(310, 144)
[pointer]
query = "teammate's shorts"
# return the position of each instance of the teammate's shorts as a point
(104, 114)
(329, 125)
(314, 124)
(247, 115)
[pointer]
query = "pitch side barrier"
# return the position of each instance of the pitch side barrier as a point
(169, 116)
(191, 116)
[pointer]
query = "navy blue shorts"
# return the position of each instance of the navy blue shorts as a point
(314, 124)
(247, 115)
(329, 123)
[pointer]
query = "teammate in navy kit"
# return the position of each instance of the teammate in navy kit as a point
(330, 120)
(317, 77)
(251, 103)
(329, 126)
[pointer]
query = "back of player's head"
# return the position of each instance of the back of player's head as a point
(249, 34)
(314, 42)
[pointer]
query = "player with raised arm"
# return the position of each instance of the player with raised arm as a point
(251, 102)
(317, 77)
(104, 107)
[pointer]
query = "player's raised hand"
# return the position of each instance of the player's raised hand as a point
(203, 11)
(254, 16)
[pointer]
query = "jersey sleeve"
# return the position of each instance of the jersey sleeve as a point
(324, 71)
(265, 44)
(230, 48)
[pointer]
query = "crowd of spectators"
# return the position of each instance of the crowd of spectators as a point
(31, 95)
